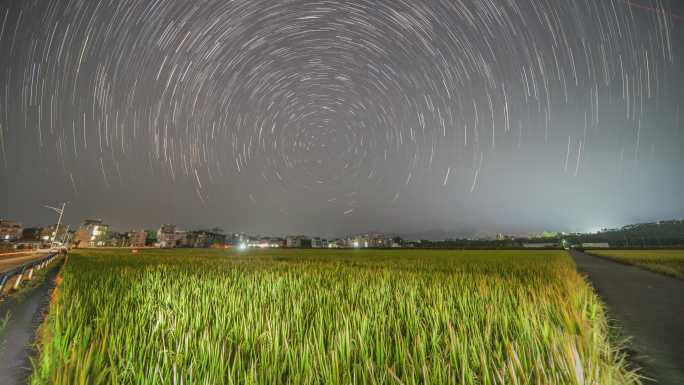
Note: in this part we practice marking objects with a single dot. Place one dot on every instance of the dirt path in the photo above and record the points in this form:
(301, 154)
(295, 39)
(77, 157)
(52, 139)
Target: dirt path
(649, 307)
(26, 313)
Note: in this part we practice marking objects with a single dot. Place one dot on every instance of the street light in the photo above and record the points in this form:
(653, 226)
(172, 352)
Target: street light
(59, 221)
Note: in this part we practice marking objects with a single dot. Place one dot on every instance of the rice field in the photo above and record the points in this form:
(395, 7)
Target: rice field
(670, 262)
(326, 317)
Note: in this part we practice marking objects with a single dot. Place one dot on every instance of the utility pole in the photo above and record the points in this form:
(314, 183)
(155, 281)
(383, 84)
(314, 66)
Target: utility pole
(66, 236)
(59, 221)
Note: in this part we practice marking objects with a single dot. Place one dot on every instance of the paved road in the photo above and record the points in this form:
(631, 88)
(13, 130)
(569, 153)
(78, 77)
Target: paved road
(9, 261)
(649, 307)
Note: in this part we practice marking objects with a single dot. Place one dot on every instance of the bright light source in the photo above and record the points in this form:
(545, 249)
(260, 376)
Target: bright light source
(242, 246)
(356, 243)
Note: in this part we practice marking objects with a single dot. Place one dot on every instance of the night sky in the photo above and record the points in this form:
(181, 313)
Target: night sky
(333, 117)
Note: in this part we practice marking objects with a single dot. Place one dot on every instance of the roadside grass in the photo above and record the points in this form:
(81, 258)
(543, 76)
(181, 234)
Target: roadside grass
(326, 317)
(669, 262)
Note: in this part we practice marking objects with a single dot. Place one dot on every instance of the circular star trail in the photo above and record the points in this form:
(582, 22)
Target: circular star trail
(334, 107)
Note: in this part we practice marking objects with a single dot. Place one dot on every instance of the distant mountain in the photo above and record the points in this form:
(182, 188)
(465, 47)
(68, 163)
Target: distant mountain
(661, 232)
(653, 234)
(439, 235)
(669, 228)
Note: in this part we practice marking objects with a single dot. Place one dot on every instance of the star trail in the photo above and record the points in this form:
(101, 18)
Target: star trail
(333, 116)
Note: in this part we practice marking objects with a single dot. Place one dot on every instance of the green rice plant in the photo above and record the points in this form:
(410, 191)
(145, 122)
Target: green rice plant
(326, 317)
(669, 262)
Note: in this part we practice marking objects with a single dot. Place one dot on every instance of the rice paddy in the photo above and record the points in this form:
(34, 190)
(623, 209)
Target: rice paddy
(670, 262)
(326, 317)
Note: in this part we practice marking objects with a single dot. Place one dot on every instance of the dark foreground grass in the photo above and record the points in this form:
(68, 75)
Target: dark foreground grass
(669, 262)
(326, 317)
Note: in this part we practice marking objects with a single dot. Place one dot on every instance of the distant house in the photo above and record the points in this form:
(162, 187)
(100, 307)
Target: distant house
(166, 236)
(292, 241)
(298, 241)
(379, 240)
(359, 241)
(136, 238)
(205, 238)
(91, 233)
(115, 239)
(267, 242)
(334, 244)
(237, 239)
(277, 242)
(10, 231)
(182, 239)
(316, 243)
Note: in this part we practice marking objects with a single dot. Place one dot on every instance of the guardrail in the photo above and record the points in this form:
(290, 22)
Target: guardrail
(10, 279)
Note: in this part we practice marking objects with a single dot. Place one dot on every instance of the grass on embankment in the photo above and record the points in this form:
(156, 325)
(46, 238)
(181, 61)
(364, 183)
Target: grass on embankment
(326, 317)
(670, 262)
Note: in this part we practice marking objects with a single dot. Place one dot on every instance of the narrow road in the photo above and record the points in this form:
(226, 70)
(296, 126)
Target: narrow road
(16, 340)
(649, 307)
(11, 260)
